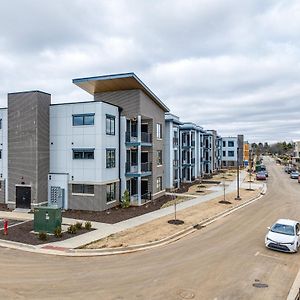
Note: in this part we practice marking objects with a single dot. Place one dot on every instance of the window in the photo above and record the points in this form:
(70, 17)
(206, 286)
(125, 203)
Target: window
(110, 192)
(110, 158)
(0, 123)
(224, 153)
(83, 189)
(159, 183)
(224, 144)
(110, 125)
(83, 119)
(159, 157)
(231, 153)
(230, 143)
(83, 153)
(159, 131)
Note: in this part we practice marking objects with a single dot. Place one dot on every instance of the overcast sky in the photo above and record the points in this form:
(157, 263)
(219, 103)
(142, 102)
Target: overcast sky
(228, 65)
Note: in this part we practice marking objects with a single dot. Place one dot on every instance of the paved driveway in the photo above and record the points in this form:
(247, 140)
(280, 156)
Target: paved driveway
(221, 261)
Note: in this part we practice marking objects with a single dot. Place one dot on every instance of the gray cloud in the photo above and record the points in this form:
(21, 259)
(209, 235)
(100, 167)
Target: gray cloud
(229, 65)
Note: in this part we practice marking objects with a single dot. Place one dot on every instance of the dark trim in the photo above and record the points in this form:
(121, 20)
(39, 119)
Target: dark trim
(119, 125)
(83, 115)
(82, 102)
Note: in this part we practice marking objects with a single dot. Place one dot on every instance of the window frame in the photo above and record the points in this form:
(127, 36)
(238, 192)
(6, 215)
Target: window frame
(110, 160)
(230, 144)
(111, 190)
(231, 152)
(83, 116)
(159, 129)
(159, 185)
(112, 120)
(84, 153)
(159, 157)
(83, 189)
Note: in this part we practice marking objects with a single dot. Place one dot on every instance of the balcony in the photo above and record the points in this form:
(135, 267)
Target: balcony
(175, 163)
(131, 169)
(132, 139)
(188, 162)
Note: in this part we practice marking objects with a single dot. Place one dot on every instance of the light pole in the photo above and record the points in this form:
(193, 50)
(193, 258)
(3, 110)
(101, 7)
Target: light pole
(238, 174)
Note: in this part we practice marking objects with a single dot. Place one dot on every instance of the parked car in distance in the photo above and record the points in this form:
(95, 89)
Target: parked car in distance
(294, 174)
(286, 168)
(266, 173)
(299, 179)
(261, 175)
(283, 236)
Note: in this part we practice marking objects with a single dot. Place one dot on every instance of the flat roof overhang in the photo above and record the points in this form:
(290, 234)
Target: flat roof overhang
(116, 82)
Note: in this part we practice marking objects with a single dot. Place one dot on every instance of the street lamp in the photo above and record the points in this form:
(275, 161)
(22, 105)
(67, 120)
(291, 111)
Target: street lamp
(238, 174)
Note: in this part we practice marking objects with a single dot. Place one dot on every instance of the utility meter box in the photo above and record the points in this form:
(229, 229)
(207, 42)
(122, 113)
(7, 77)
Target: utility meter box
(46, 219)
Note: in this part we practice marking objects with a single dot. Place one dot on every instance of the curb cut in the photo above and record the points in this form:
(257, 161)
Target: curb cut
(129, 249)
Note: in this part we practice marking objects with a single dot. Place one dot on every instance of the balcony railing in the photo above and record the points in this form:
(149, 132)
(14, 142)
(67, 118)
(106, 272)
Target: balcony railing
(146, 197)
(132, 137)
(146, 137)
(175, 162)
(146, 167)
(133, 167)
(175, 141)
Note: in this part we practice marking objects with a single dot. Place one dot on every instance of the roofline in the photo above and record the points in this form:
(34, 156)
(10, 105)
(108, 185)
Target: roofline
(82, 102)
(33, 91)
(124, 75)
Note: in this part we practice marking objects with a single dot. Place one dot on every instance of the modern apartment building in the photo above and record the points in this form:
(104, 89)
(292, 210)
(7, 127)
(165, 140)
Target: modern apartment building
(85, 155)
(232, 151)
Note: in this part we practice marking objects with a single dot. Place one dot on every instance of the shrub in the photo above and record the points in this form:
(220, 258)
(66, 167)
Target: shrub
(72, 229)
(88, 225)
(57, 232)
(125, 202)
(43, 236)
(78, 225)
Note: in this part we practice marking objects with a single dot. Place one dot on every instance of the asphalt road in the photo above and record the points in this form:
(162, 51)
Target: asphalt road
(221, 261)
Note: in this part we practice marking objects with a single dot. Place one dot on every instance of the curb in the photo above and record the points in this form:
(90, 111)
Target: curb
(294, 293)
(51, 250)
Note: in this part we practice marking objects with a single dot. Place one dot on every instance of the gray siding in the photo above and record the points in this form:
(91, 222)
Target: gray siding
(92, 203)
(28, 143)
(2, 191)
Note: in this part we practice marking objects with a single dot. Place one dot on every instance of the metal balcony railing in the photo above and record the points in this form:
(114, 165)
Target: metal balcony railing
(146, 197)
(175, 162)
(146, 167)
(146, 137)
(175, 141)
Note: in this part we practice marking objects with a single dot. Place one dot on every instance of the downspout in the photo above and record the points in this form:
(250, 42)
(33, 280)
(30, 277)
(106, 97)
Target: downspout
(120, 194)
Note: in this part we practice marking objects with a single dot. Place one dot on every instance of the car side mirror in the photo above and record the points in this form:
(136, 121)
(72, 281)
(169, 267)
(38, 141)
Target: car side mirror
(269, 227)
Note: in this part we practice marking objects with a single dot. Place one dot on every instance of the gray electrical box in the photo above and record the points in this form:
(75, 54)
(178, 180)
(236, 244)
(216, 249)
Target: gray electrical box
(57, 196)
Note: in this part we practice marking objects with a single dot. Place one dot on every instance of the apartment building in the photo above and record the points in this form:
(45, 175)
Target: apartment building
(172, 151)
(85, 155)
(232, 151)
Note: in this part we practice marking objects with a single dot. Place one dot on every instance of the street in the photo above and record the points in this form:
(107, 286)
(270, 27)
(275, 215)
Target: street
(221, 261)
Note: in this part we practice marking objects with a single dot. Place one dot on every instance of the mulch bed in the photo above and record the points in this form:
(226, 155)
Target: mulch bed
(21, 233)
(117, 214)
(185, 186)
(3, 207)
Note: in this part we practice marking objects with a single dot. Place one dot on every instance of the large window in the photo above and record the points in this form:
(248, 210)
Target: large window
(110, 125)
(159, 183)
(230, 143)
(159, 157)
(230, 153)
(159, 131)
(110, 192)
(83, 119)
(83, 153)
(110, 158)
(0, 123)
(83, 189)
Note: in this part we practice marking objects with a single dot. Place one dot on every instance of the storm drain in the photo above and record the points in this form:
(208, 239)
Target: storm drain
(260, 285)
(186, 294)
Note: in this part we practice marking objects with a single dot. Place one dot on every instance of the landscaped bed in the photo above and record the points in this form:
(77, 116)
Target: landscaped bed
(22, 233)
(118, 214)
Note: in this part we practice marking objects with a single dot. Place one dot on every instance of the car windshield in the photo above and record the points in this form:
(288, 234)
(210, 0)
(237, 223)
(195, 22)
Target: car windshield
(283, 229)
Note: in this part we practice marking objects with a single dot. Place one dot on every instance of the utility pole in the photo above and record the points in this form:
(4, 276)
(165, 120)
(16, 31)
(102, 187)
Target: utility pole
(238, 174)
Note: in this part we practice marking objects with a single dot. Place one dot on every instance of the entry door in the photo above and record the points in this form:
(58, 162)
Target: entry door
(23, 196)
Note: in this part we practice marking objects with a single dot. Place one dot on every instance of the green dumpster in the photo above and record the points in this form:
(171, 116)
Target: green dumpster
(46, 219)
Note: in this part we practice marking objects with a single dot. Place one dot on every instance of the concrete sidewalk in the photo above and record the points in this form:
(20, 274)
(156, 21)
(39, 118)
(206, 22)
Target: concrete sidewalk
(103, 229)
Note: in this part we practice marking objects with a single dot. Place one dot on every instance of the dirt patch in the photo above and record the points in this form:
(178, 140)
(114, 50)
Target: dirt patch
(118, 214)
(22, 233)
(160, 228)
